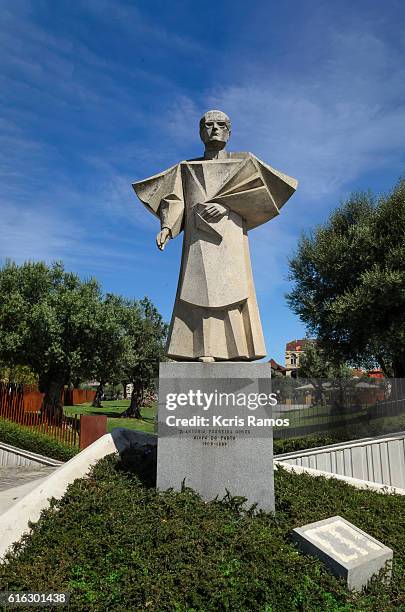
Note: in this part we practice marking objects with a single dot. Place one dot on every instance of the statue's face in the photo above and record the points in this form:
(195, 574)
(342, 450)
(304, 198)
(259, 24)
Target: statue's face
(215, 129)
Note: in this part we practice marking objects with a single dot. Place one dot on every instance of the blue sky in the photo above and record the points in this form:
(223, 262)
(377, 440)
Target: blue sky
(96, 94)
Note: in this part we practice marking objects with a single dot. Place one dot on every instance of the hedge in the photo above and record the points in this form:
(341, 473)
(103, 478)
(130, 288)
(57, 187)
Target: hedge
(28, 439)
(116, 545)
(289, 445)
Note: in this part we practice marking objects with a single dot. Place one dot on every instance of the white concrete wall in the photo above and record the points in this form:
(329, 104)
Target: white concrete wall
(354, 482)
(380, 460)
(10, 456)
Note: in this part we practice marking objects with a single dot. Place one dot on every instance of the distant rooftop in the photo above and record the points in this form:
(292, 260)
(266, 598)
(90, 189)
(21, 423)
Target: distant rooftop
(276, 366)
(297, 345)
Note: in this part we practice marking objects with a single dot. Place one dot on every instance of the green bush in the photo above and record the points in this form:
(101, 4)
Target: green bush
(28, 439)
(117, 545)
(289, 445)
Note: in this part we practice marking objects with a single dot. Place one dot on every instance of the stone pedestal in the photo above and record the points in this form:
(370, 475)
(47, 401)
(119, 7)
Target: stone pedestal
(216, 448)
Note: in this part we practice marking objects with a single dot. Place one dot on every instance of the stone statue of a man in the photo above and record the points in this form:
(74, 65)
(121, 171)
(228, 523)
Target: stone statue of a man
(216, 200)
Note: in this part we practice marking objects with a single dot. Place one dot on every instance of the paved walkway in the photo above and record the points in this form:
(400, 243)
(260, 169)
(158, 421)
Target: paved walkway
(17, 481)
(14, 476)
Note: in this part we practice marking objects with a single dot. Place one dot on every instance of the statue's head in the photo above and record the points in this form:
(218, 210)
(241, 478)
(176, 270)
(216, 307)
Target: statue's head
(215, 129)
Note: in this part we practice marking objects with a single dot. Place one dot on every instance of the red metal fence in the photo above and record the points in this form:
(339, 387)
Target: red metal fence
(32, 398)
(92, 427)
(78, 396)
(21, 404)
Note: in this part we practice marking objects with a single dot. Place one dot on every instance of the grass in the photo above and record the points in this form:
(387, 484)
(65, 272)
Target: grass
(116, 544)
(113, 410)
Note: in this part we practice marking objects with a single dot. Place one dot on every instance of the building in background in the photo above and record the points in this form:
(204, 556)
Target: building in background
(295, 349)
(293, 353)
(277, 370)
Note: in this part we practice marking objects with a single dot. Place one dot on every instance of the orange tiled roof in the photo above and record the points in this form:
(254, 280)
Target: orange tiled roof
(296, 345)
(277, 366)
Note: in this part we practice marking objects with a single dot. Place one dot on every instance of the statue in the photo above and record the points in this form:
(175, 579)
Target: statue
(215, 200)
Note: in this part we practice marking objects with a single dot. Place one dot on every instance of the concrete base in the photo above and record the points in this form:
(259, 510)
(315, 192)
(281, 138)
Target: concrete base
(212, 459)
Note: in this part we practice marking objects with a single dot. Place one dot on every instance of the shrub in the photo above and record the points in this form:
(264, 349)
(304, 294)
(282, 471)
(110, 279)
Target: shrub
(115, 544)
(28, 439)
(289, 445)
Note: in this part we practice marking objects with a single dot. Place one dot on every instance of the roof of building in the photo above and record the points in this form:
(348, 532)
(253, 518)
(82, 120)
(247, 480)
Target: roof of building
(375, 374)
(297, 345)
(277, 366)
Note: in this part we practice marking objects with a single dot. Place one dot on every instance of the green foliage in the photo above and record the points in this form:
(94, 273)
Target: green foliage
(373, 425)
(47, 320)
(316, 364)
(349, 282)
(129, 344)
(289, 445)
(316, 368)
(110, 341)
(115, 544)
(113, 391)
(27, 439)
(19, 374)
(145, 334)
(65, 331)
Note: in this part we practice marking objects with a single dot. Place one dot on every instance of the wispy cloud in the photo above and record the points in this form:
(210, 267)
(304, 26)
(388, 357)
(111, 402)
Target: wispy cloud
(327, 127)
(117, 199)
(32, 234)
(134, 23)
(49, 234)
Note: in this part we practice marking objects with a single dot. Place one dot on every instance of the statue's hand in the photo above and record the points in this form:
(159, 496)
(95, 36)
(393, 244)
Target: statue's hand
(214, 211)
(162, 237)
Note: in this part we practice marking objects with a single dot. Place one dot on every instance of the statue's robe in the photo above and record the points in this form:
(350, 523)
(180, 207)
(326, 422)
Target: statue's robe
(215, 312)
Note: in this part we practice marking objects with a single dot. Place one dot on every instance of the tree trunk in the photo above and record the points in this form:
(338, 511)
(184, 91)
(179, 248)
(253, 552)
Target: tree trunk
(98, 397)
(386, 368)
(124, 385)
(398, 366)
(319, 394)
(52, 404)
(134, 410)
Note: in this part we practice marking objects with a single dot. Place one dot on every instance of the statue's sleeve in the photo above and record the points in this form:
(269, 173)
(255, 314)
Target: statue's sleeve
(255, 191)
(162, 195)
(280, 185)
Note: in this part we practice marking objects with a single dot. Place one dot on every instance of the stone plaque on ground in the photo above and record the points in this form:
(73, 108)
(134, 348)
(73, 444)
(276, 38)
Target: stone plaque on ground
(223, 442)
(347, 551)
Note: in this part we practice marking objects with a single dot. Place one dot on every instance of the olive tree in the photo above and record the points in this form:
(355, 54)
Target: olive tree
(48, 321)
(349, 282)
